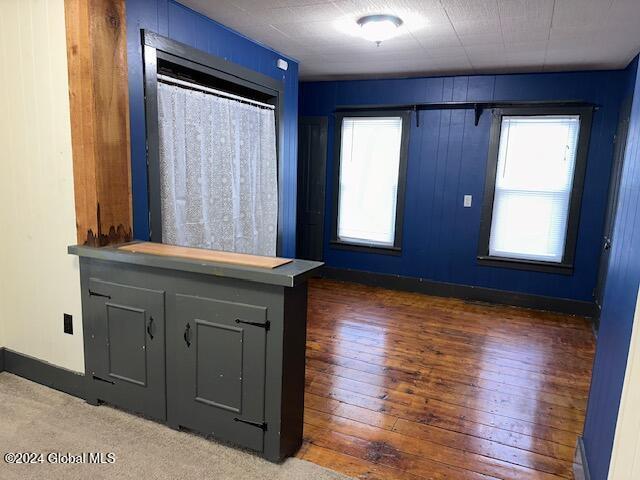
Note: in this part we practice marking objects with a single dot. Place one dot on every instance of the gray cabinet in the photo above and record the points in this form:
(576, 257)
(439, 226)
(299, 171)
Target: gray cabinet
(124, 338)
(199, 350)
(219, 380)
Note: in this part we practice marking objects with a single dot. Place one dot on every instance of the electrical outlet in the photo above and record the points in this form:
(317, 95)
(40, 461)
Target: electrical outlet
(467, 201)
(68, 324)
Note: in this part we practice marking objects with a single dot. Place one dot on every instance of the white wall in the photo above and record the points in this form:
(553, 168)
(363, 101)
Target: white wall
(39, 281)
(625, 458)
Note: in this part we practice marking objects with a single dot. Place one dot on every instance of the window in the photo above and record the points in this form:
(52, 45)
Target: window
(534, 184)
(372, 152)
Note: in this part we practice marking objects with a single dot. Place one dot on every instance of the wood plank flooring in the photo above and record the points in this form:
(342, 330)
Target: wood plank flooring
(407, 386)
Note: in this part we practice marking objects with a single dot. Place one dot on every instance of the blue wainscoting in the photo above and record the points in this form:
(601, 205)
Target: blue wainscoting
(618, 306)
(447, 159)
(178, 22)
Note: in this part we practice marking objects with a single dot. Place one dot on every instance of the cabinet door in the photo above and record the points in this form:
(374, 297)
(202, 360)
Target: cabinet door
(126, 340)
(219, 369)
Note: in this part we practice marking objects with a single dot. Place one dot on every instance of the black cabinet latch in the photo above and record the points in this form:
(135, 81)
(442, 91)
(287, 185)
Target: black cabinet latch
(262, 426)
(266, 325)
(96, 294)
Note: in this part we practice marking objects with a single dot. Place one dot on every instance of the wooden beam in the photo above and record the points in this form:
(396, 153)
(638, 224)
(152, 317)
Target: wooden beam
(99, 104)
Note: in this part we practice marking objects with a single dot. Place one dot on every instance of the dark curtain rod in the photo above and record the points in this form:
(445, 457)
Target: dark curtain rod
(478, 107)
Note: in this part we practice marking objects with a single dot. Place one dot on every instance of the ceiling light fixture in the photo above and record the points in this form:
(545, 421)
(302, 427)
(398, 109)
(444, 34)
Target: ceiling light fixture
(378, 28)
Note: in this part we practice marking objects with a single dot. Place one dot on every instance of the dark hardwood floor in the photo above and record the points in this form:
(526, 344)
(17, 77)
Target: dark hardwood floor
(407, 386)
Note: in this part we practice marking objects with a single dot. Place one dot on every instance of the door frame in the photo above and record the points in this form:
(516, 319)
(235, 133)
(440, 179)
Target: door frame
(620, 149)
(323, 123)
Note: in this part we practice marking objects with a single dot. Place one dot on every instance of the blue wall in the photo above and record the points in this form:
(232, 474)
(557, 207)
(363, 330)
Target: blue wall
(447, 159)
(174, 20)
(618, 306)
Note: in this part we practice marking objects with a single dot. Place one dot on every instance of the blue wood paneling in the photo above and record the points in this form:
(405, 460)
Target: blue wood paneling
(616, 321)
(178, 22)
(447, 160)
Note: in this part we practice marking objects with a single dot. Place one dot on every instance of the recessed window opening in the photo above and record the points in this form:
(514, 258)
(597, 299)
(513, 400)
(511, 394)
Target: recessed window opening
(372, 165)
(213, 151)
(536, 163)
(536, 181)
(218, 169)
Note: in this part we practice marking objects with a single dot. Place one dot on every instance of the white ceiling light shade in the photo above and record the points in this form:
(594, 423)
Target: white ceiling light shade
(403, 21)
(378, 28)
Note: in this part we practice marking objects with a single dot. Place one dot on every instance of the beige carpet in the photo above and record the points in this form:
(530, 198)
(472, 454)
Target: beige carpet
(38, 419)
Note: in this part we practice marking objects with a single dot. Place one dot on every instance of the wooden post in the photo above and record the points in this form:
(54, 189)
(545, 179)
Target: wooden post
(99, 104)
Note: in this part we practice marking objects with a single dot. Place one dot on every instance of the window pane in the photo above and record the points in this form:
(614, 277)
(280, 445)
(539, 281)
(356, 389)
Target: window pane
(369, 167)
(536, 162)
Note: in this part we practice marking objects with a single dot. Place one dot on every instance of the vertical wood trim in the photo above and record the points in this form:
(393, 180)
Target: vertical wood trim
(99, 104)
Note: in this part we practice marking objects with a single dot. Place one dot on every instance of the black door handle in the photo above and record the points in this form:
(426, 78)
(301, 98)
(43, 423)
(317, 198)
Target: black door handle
(149, 328)
(187, 335)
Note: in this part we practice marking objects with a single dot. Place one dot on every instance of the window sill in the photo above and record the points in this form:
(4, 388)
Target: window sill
(530, 265)
(363, 247)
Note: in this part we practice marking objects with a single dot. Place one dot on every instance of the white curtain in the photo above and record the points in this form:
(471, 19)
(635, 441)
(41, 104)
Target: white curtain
(218, 172)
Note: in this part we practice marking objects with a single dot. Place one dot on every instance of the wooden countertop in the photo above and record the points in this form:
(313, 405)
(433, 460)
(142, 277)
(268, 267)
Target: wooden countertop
(270, 270)
(206, 255)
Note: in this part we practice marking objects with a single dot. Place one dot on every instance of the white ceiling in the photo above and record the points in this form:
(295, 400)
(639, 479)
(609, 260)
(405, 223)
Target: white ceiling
(439, 36)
